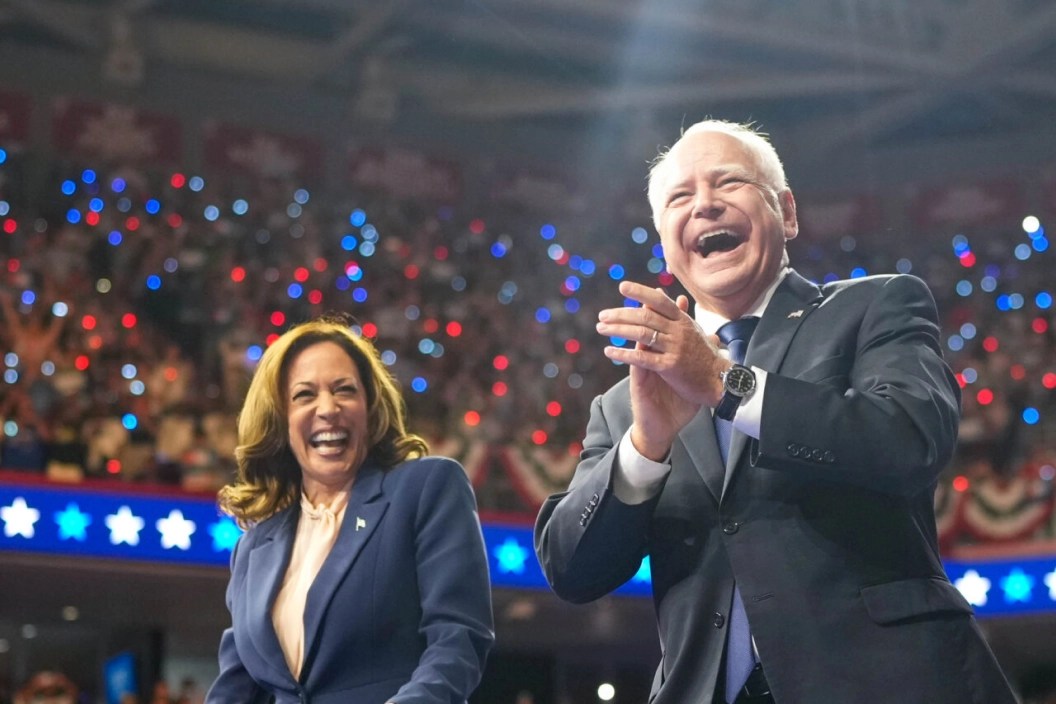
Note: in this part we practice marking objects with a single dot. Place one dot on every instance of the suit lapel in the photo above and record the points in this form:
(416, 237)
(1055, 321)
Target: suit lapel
(792, 302)
(697, 441)
(267, 568)
(365, 509)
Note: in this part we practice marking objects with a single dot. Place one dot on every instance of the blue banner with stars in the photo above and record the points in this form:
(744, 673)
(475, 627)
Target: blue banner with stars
(115, 525)
(43, 518)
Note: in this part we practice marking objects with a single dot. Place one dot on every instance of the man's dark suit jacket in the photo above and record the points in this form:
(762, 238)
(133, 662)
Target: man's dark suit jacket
(826, 521)
(400, 610)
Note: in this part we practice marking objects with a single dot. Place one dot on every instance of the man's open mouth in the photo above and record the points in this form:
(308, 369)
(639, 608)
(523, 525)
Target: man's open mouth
(722, 241)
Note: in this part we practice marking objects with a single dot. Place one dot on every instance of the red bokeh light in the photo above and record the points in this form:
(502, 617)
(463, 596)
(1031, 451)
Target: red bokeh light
(440, 253)
(132, 224)
(370, 330)
(1039, 325)
(91, 219)
(472, 418)
(553, 409)
(572, 346)
(967, 260)
(300, 274)
(454, 328)
(238, 274)
(960, 483)
(315, 296)
(990, 344)
(499, 388)
(1049, 380)
(175, 220)
(666, 278)
(270, 339)
(178, 180)
(128, 320)
(171, 373)
(501, 362)
(88, 322)
(410, 271)
(476, 226)
(10, 225)
(431, 325)
(539, 437)
(1018, 372)
(113, 466)
(82, 362)
(985, 397)
(278, 318)
(320, 264)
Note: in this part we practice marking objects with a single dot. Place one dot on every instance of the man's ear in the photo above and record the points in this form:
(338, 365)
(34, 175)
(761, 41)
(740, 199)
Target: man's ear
(788, 214)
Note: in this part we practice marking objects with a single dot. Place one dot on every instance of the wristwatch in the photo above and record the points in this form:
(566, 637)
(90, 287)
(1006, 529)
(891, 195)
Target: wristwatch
(738, 383)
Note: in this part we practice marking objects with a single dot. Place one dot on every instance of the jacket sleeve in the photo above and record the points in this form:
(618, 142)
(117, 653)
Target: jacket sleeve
(455, 591)
(882, 415)
(589, 542)
(233, 685)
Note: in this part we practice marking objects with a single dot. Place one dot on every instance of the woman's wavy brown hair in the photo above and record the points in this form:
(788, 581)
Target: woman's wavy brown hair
(268, 477)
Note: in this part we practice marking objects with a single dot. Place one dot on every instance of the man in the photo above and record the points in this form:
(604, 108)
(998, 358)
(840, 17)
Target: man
(804, 569)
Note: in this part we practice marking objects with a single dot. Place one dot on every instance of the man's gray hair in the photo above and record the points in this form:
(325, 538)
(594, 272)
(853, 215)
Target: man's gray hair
(770, 163)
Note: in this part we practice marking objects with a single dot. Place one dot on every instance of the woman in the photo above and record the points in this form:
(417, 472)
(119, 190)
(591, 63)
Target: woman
(362, 576)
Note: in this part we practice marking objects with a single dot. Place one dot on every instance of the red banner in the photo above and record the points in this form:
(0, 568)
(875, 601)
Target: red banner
(1048, 197)
(14, 119)
(967, 205)
(405, 173)
(827, 219)
(262, 153)
(115, 133)
(534, 190)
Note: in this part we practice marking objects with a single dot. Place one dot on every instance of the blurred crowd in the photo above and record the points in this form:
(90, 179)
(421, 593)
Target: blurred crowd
(135, 304)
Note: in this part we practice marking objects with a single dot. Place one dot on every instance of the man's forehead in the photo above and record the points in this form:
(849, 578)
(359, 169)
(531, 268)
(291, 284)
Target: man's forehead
(708, 160)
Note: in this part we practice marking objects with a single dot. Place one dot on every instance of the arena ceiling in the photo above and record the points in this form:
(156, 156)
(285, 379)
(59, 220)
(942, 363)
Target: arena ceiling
(834, 73)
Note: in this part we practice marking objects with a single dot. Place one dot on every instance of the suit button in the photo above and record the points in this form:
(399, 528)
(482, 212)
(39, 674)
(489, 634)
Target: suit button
(718, 620)
(829, 457)
(582, 521)
(731, 527)
(792, 449)
(818, 455)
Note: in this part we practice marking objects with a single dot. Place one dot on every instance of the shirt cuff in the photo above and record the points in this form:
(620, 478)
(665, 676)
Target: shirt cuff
(636, 478)
(749, 415)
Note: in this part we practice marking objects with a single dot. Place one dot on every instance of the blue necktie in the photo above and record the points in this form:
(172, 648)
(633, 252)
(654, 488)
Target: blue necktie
(740, 657)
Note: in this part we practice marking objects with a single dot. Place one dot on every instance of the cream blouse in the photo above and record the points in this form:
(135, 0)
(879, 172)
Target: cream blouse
(316, 533)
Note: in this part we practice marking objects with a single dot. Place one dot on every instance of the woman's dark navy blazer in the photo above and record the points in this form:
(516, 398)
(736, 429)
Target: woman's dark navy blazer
(399, 612)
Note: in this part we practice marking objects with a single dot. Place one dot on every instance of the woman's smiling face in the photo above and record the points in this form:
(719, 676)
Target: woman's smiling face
(326, 412)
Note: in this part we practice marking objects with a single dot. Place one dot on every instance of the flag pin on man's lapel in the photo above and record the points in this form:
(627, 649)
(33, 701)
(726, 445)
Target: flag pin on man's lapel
(796, 313)
(360, 523)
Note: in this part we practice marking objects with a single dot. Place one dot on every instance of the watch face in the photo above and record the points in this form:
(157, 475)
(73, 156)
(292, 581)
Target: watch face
(740, 381)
